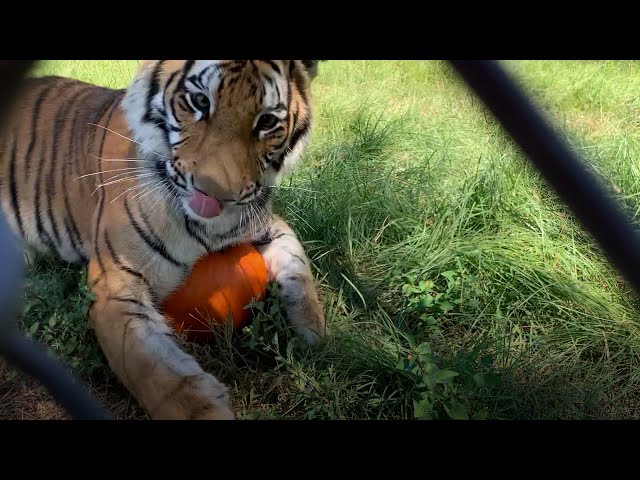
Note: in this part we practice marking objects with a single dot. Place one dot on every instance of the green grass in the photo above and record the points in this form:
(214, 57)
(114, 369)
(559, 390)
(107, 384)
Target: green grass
(456, 284)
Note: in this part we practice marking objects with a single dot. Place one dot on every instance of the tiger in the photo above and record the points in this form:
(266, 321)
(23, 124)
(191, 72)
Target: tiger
(137, 184)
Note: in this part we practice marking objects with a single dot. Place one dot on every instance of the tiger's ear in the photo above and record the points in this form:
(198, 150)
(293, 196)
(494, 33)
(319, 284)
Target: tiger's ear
(312, 67)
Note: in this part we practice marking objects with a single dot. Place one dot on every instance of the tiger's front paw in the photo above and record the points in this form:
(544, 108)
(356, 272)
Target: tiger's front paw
(312, 336)
(310, 323)
(199, 397)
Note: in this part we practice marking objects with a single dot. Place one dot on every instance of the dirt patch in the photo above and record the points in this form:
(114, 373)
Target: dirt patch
(23, 398)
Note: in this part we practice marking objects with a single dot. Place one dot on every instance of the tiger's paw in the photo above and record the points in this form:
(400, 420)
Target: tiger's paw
(200, 397)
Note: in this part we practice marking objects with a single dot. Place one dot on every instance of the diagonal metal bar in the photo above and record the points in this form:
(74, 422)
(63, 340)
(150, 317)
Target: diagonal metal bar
(19, 351)
(597, 211)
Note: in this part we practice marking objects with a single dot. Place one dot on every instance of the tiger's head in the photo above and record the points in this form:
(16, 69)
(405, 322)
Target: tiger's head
(221, 132)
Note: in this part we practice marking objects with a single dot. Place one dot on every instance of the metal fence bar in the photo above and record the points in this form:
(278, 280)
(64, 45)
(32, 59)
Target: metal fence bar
(562, 168)
(597, 211)
(19, 351)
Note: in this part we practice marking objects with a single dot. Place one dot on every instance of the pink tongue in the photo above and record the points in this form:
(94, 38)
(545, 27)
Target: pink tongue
(204, 205)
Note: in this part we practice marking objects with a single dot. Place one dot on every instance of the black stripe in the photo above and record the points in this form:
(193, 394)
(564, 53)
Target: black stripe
(59, 121)
(299, 132)
(281, 144)
(297, 256)
(282, 235)
(195, 82)
(160, 169)
(276, 130)
(233, 231)
(141, 316)
(299, 82)
(122, 266)
(171, 79)
(42, 233)
(279, 93)
(112, 102)
(151, 238)
(14, 185)
(174, 180)
(34, 129)
(154, 88)
(76, 239)
(268, 79)
(179, 142)
(273, 65)
(183, 103)
(291, 125)
(127, 300)
(263, 92)
(294, 125)
(195, 234)
(172, 106)
(180, 175)
(162, 120)
(73, 240)
(204, 72)
(185, 71)
(263, 240)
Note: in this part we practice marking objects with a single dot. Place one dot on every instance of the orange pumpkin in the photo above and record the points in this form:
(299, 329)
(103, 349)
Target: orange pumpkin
(217, 290)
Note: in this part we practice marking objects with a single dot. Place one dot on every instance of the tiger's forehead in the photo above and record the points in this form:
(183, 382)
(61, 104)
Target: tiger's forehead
(235, 80)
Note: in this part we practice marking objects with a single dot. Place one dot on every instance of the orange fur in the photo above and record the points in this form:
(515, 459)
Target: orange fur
(66, 190)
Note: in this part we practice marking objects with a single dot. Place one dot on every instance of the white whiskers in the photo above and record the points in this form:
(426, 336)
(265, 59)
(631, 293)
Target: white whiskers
(140, 185)
(127, 138)
(110, 171)
(136, 177)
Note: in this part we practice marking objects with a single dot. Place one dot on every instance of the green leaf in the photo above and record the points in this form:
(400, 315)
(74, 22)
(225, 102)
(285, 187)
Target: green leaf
(426, 301)
(473, 303)
(445, 376)
(33, 328)
(431, 367)
(479, 379)
(274, 310)
(422, 409)
(428, 319)
(483, 414)
(471, 279)
(446, 306)
(70, 346)
(456, 411)
(289, 348)
(26, 306)
(52, 320)
(424, 349)
(449, 275)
